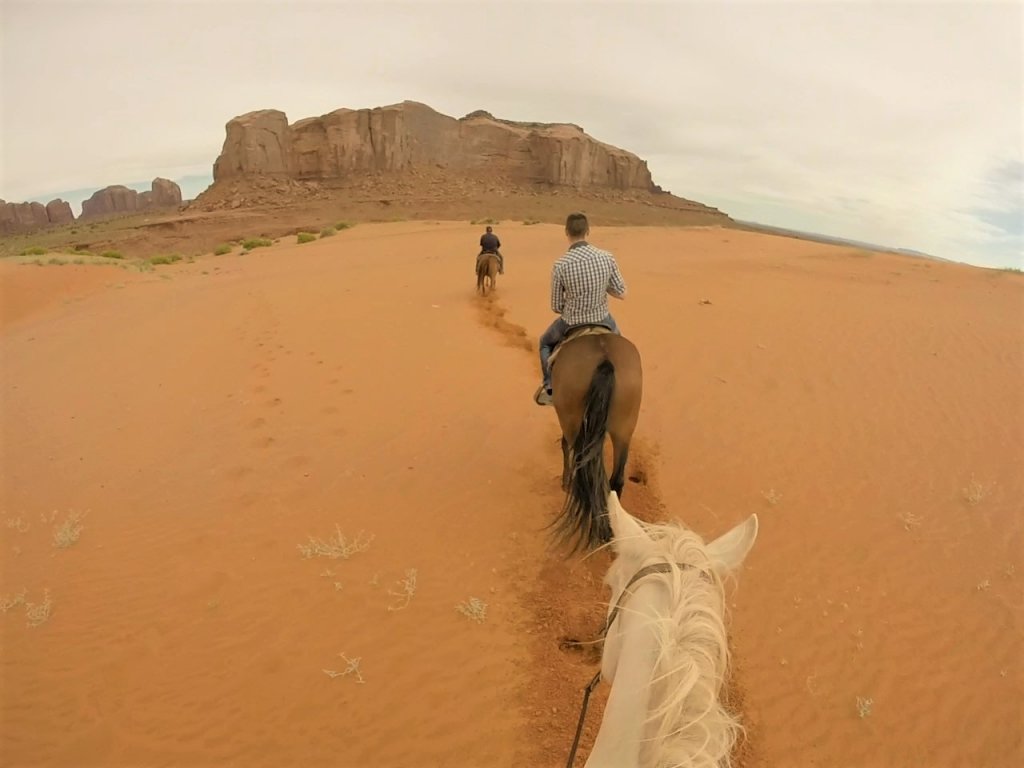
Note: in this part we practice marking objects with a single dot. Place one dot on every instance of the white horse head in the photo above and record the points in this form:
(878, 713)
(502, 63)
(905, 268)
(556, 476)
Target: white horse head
(666, 652)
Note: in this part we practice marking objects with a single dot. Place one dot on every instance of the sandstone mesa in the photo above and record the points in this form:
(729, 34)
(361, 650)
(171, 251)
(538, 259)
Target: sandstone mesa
(411, 135)
(410, 154)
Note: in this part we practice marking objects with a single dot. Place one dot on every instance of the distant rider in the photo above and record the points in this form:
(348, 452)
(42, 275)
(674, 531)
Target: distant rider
(489, 243)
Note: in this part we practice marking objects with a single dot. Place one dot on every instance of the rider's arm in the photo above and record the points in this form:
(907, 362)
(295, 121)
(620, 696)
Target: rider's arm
(616, 285)
(557, 298)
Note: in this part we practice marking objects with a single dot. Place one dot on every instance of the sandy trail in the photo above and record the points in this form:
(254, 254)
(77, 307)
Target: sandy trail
(210, 422)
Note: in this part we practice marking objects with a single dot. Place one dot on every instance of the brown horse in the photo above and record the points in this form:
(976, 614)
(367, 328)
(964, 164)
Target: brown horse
(486, 269)
(597, 383)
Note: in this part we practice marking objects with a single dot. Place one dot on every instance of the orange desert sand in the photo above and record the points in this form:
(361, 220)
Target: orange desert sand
(206, 419)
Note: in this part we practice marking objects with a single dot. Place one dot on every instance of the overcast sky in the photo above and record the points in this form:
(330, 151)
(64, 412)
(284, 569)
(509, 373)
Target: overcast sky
(898, 123)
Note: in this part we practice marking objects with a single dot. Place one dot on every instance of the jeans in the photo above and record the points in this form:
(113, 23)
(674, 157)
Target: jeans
(553, 335)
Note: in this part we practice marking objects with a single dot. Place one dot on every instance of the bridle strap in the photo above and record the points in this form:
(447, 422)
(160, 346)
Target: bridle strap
(647, 570)
(583, 714)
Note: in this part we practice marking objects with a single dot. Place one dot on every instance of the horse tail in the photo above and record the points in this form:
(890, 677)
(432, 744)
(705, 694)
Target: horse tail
(585, 510)
(481, 270)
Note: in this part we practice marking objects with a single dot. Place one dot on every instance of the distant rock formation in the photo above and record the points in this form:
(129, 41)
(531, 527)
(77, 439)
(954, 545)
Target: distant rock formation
(411, 135)
(164, 194)
(27, 217)
(113, 199)
(16, 216)
(59, 212)
(121, 199)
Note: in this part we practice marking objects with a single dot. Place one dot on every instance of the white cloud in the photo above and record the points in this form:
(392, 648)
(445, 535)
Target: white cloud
(888, 122)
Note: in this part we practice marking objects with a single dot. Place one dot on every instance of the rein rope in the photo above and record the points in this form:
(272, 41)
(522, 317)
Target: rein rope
(647, 570)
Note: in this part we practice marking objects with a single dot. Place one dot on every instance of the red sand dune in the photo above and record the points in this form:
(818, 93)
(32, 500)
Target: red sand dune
(207, 424)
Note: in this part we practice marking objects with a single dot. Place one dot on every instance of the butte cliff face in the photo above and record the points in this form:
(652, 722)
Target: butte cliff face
(411, 135)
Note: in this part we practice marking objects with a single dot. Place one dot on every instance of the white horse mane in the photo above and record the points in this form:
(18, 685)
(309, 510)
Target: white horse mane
(669, 647)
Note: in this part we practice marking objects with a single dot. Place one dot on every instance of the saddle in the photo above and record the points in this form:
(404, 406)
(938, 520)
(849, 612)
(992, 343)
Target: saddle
(577, 331)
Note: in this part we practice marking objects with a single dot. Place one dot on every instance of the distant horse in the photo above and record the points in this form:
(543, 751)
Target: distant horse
(596, 382)
(665, 651)
(486, 269)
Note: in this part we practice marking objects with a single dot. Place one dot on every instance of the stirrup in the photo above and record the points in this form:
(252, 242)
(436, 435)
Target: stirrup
(541, 391)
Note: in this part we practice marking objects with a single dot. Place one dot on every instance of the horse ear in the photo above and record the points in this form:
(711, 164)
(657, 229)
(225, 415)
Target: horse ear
(624, 526)
(730, 549)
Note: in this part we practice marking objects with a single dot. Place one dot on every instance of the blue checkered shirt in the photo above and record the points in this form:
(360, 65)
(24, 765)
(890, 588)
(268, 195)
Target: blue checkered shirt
(581, 281)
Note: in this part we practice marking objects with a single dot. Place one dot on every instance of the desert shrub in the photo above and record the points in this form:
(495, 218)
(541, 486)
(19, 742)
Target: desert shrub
(256, 242)
(305, 237)
(221, 249)
(165, 259)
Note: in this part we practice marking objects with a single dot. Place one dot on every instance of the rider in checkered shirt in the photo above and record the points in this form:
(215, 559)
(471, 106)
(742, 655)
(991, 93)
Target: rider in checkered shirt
(581, 281)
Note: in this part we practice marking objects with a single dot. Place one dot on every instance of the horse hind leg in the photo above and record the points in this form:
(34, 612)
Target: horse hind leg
(620, 455)
(622, 423)
(566, 465)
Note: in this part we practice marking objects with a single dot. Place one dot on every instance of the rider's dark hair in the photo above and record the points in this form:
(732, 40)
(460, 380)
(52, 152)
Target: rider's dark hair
(488, 229)
(576, 225)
